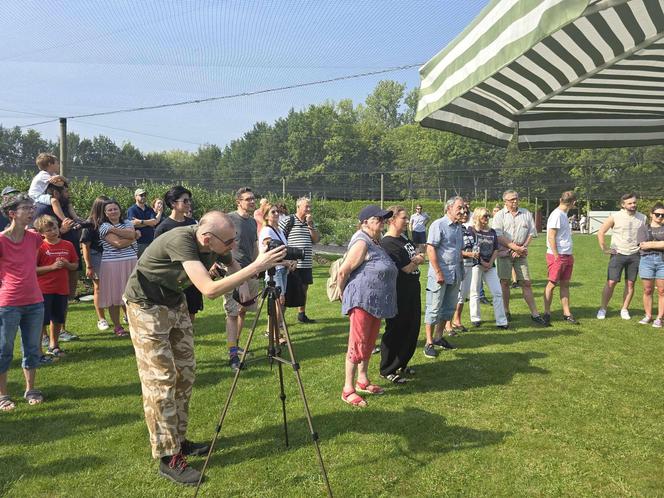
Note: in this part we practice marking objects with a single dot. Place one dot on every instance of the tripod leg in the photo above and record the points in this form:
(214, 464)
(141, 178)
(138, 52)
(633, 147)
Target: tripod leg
(282, 396)
(307, 412)
(224, 410)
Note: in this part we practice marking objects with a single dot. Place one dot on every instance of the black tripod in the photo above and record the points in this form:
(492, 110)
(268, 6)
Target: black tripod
(275, 319)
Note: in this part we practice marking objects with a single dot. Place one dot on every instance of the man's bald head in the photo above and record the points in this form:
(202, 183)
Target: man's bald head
(215, 221)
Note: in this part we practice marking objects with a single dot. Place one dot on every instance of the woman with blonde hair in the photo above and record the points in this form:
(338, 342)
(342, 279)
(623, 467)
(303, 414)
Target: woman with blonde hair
(485, 248)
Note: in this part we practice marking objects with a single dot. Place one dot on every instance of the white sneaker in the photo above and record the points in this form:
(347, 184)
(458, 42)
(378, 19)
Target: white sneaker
(601, 314)
(657, 323)
(103, 325)
(645, 320)
(624, 314)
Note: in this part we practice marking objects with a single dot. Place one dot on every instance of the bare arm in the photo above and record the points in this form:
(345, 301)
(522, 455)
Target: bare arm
(41, 270)
(433, 261)
(118, 242)
(212, 289)
(606, 226)
(653, 244)
(551, 239)
(354, 258)
(124, 233)
(414, 263)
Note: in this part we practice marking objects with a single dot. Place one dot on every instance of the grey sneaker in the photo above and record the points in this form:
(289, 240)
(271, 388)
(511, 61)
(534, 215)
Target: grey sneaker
(442, 343)
(430, 351)
(540, 321)
(67, 336)
(177, 470)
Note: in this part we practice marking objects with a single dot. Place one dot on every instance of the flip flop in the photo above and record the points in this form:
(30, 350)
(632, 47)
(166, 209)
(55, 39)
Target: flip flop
(353, 399)
(369, 388)
(34, 397)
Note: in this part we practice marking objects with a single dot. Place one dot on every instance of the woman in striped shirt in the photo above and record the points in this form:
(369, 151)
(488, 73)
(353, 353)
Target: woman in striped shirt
(118, 260)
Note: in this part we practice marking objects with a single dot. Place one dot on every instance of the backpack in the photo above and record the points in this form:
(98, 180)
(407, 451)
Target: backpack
(333, 293)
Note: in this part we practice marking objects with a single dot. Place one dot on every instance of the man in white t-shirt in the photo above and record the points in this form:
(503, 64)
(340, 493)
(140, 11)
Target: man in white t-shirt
(559, 259)
(418, 227)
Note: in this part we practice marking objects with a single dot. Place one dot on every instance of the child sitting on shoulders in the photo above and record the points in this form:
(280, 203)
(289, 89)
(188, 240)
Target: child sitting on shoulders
(55, 259)
(48, 166)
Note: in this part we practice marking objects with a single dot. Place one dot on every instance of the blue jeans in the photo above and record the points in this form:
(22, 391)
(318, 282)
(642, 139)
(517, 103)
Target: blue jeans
(29, 318)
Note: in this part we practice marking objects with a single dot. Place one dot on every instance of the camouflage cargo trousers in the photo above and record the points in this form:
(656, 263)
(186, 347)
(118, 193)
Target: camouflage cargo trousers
(164, 343)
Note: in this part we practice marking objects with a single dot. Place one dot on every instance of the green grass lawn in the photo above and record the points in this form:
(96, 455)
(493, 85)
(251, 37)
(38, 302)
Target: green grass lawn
(574, 411)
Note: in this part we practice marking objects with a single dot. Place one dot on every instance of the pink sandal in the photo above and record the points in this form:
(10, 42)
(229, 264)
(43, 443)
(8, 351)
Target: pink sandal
(369, 388)
(120, 332)
(353, 399)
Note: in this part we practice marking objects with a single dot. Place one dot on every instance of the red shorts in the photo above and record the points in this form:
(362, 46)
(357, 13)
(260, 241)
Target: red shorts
(560, 269)
(364, 329)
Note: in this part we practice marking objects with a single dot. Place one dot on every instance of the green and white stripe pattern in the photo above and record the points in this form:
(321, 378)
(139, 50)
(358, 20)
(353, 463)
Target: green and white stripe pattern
(559, 73)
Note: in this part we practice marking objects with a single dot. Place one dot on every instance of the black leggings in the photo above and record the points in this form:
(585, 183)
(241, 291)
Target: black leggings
(401, 333)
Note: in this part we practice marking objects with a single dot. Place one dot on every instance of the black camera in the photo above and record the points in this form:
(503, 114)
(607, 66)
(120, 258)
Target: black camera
(291, 252)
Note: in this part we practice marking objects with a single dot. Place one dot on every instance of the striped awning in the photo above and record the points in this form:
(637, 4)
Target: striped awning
(558, 73)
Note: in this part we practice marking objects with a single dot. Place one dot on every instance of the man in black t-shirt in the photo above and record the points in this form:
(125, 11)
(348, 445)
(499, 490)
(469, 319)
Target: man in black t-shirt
(162, 332)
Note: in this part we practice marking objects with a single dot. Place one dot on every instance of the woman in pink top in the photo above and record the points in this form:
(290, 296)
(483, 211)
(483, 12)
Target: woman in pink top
(21, 301)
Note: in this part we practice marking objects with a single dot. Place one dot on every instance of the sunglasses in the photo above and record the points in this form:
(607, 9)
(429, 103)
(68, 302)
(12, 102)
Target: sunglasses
(225, 242)
(486, 217)
(659, 215)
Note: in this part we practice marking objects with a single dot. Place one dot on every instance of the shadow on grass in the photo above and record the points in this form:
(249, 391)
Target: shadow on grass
(471, 370)
(16, 468)
(440, 437)
(44, 426)
(470, 340)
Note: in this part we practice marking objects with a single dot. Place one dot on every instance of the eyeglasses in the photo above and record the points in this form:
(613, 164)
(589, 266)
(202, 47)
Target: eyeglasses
(184, 201)
(26, 208)
(142, 195)
(659, 215)
(274, 211)
(486, 217)
(513, 199)
(225, 242)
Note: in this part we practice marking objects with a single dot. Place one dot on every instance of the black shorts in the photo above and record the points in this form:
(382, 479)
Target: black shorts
(194, 299)
(618, 262)
(306, 275)
(55, 308)
(419, 237)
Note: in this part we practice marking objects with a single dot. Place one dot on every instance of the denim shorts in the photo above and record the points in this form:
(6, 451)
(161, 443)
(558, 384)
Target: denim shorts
(29, 318)
(651, 266)
(280, 278)
(441, 302)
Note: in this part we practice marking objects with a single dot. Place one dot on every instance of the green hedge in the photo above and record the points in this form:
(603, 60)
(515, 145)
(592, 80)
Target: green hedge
(336, 220)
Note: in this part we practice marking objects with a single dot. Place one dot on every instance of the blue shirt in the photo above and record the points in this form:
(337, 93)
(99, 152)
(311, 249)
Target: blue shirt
(447, 238)
(135, 212)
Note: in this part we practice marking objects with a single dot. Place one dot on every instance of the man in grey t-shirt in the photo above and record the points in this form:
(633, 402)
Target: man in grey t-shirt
(244, 252)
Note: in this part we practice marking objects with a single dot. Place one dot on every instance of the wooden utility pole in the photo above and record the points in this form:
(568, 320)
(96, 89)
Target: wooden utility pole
(382, 191)
(63, 146)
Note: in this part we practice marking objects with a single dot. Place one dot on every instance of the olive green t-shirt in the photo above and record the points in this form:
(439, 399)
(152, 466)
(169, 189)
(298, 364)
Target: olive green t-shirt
(159, 277)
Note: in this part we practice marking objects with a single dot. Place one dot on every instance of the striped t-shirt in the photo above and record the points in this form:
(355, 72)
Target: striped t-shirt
(300, 237)
(112, 253)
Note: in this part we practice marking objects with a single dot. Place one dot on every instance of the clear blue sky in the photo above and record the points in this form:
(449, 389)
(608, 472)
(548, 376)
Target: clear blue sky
(65, 58)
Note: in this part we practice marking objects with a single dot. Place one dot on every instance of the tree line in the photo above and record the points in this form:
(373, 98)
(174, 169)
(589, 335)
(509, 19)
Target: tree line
(345, 150)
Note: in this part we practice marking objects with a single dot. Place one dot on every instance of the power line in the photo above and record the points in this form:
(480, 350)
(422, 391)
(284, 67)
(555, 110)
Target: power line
(250, 93)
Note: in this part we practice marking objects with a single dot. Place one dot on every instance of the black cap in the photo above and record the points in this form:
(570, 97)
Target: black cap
(372, 210)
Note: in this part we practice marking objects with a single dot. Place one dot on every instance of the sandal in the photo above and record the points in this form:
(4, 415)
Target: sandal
(395, 378)
(34, 397)
(459, 328)
(46, 360)
(55, 352)
(120, 332)
(353, 399)
(6, 403)
(369, 388)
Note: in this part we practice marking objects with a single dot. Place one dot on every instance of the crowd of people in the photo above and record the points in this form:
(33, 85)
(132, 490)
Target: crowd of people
(153, 272)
